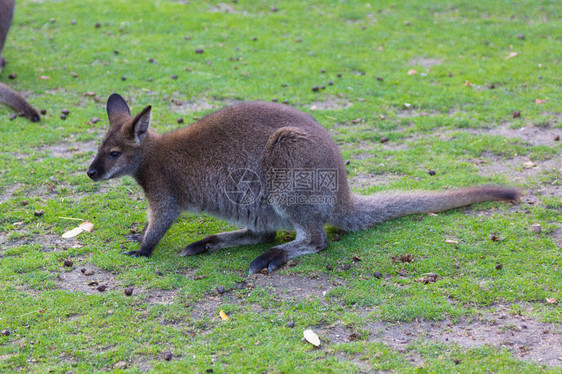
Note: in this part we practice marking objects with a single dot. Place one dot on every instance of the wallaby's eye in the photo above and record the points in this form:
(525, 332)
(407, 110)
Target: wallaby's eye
(114, 154)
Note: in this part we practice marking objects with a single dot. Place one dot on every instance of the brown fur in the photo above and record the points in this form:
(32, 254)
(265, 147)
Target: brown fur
(189, 169)
(7, 95)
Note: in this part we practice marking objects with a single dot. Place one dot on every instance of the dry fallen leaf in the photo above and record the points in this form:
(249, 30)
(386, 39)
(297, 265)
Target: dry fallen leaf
(539, 101)
(551, 300)
(529, 165)
(511, 55)
(450, 241)
(72, 233)
(467, 84)
(223, 315)
(433, 214)
(311, 337)
(86, 226)
(83, 227)
(412, 72)
(44, 77)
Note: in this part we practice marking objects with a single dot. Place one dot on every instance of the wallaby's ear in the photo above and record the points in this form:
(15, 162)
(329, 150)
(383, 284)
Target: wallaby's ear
(139, 124)
(117, 110)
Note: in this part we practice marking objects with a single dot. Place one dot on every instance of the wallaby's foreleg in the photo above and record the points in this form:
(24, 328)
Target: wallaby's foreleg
(226, 240)
(160, 219)
(311, 238)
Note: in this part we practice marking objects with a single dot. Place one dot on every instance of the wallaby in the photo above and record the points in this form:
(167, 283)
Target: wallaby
(263, 166)
(7, 95)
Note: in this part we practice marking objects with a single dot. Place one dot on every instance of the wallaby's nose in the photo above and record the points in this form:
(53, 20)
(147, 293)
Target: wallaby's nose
(92, 173)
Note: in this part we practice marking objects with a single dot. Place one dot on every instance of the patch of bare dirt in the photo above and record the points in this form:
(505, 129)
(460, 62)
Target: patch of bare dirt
(294, 287)
(48, 242)
(190, 107)
(330, 103)
(535, 135)
(86, 281)
(527, 338)
(69, 150)
(425, 62)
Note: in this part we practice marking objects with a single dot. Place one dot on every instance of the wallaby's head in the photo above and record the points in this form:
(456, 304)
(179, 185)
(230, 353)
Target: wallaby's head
(121, 151)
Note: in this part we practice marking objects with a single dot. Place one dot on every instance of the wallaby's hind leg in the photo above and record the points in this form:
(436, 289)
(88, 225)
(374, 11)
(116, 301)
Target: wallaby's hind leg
(311, 238)
(226, 240)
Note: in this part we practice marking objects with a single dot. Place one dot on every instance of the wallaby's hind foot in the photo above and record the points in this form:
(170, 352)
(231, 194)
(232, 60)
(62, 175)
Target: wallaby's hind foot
(310, 239)
(227, 240)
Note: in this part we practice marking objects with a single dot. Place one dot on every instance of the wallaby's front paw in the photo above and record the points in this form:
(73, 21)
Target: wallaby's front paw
(206, 244)
(136, 254)
(271, 260)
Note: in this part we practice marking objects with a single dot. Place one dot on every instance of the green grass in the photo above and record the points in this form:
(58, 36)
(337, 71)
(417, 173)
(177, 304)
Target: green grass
(251, 53)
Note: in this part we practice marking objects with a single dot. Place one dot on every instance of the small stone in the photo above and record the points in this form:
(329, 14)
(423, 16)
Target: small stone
(536, 228)
(298, 40)
(499, 266)
(115, 52)
(128, 291)
(329, 267)
(220, 290)
(97, 25)
(315, 88)
(174, 76)
(43, 111)
(73, 22)
(159, 273)
(380, 79)
(151, 60)
(13, 116)
(355, 336)
(516, 114)
(322, 87)
(339, 75)
(187, 37)
(167, 355)
(63, 116)
(65, 111)
(274, 100)
(377, 274)
(346, 267)
(7, 332)
(431, 172)
(323, 71)
(521, 36)
(492, 86)
(180, 120)
(254, 38)
(449, 74)
(273, 9)
(95, 120)
(68, 263)
(384, 139)
(557, 138)
(101, 287)
(456, 361)
(13, 76)
(290, 324)
(285, 102)
(330, 83)
(200, 50)
(123, 78)
(38, 213)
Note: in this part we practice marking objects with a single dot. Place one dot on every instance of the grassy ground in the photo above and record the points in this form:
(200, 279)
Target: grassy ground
(439, 80)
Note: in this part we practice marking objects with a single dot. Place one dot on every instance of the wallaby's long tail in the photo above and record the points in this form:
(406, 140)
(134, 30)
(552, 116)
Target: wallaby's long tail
(13, 99)
(369, 210)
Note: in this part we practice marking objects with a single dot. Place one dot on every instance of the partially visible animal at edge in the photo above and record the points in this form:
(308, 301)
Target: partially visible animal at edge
(230, 164)
(7, 95)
